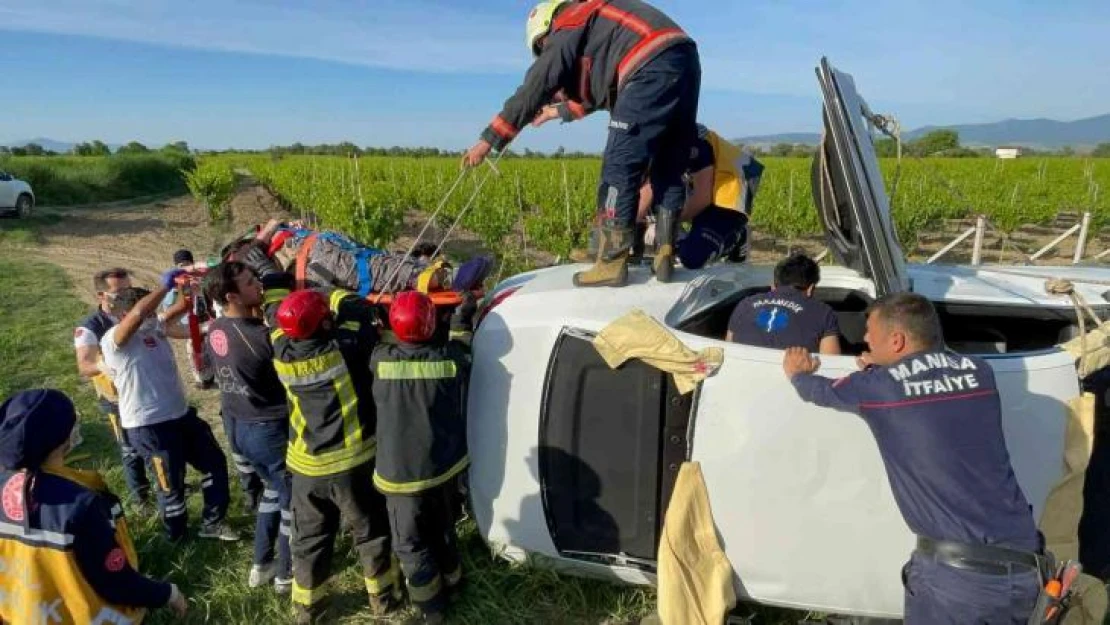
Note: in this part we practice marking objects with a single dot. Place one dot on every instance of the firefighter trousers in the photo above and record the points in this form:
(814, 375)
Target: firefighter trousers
(319, 505)
(423, 527)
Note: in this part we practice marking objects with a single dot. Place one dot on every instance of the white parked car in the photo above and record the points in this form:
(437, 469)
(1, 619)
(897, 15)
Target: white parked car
(573, 463)
(16, 196)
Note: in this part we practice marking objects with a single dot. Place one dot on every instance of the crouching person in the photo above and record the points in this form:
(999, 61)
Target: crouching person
(322, 348)
(420, 389)
(67, 554)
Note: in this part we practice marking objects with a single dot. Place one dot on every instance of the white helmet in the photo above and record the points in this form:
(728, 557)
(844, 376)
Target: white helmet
(539, 23)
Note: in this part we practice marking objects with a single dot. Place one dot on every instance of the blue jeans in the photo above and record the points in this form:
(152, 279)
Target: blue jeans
(248, 479)
(652, 126)
(263, 444)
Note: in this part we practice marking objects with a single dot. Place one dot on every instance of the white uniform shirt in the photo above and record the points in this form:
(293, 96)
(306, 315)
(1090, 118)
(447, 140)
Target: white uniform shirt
(145, 374)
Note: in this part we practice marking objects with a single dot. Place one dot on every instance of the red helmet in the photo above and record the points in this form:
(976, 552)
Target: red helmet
(300, 314)
(412, 317)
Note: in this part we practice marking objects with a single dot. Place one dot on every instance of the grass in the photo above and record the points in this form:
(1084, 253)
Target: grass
(69, 180)
(37, 352)
(24, 231)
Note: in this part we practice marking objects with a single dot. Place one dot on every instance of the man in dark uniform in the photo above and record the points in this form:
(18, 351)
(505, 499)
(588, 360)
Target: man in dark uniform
(322, 347)
(255, 412)
(420, 390)
(86, 341)
(937, 419)
(627, 57)
(787, 315)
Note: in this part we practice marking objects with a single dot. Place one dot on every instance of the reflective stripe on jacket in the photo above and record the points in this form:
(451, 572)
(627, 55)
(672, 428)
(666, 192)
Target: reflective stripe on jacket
(420, 392)
(327, 380)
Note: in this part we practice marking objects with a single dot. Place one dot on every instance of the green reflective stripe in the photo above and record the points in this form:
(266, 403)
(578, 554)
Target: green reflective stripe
(273, 296)
(308, 596)
(329, 462)
(425, 593)
(336, 300)
(323, 368)
(348, 405)
(297, 421)
(416, 370)
(354, 326)
(462, 336)
(276, 334)
(409, 488)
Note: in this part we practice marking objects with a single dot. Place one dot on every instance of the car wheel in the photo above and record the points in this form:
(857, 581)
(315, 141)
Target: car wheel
(24, 205)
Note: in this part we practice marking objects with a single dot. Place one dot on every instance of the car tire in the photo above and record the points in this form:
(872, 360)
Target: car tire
(24, 205)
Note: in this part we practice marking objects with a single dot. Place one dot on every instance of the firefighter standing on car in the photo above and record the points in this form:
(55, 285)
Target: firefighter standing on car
(937, 419)
(627, 57)
(420, 387)
(322, 345)
(65, 553)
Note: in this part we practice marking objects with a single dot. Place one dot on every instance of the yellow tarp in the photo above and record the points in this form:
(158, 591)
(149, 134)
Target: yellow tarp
(695, 577)
(1060, 519)
(1088, 606)
(1098, 349)
(636, 335)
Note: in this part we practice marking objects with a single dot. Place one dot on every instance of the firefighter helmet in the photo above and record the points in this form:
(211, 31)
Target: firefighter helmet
(412, 317)
(539, 23)
(300, 314)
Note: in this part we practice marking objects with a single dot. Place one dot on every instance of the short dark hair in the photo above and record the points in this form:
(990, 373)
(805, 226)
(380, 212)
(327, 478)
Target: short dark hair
(100, 278)
(913, 314)
(797, 270)
(220, 281)
(127, 298)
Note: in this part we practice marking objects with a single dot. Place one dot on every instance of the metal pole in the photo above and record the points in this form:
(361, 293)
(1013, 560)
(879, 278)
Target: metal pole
(947, 248)
(977, 249)
(1103, 253)
(1055, 242)
(821, 256)
(1081, 244)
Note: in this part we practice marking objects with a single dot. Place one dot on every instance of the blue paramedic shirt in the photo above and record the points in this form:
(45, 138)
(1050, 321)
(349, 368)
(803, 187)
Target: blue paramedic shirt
(937, 419)
(781, 318)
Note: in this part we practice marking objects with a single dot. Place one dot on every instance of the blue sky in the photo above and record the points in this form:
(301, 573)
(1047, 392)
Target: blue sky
(251, 73)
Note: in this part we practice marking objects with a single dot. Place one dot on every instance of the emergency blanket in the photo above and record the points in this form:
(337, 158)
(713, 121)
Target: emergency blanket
(695, 577)
(636, 335)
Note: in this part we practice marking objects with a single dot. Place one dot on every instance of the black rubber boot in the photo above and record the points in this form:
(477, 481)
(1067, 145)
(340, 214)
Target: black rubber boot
(663, 265)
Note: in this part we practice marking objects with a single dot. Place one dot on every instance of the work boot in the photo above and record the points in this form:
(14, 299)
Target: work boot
(385, 603)
(663, 264)
(638, 243)
(585, 255)
(580, 255)
(611, 266)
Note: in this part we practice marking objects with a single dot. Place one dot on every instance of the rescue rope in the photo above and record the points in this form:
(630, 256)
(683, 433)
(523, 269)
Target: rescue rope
(442, 203)
(1060, 286)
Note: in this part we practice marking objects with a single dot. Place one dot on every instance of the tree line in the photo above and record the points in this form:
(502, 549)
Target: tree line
(936, 143)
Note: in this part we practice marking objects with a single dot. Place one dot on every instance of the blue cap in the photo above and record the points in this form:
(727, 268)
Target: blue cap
(32, 425)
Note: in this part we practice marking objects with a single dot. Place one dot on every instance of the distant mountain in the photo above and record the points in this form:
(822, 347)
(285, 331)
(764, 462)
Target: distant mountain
(1033, 133)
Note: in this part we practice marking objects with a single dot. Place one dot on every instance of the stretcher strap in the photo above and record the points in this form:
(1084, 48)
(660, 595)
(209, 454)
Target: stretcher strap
(302, 260)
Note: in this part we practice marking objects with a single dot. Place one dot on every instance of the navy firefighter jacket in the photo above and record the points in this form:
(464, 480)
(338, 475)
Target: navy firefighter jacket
(937, 419)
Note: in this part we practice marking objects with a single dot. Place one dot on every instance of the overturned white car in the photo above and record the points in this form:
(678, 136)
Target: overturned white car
(576, 462)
